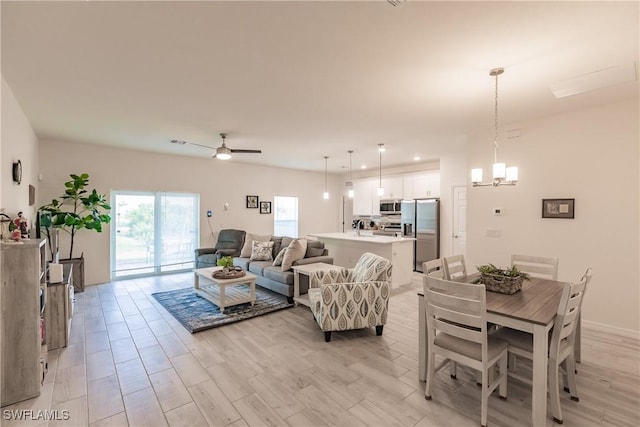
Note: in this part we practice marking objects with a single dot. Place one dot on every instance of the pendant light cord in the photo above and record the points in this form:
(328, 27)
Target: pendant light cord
(495, 138)
(380, 186)
(325, 173)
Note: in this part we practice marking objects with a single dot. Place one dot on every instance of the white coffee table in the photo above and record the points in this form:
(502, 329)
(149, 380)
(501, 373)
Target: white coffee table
(308, 270)
(222, 292)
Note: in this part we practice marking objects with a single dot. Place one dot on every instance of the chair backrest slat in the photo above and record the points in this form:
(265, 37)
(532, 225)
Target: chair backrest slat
(451, 301)
(458, 331)
(454, 267)
(433, 268)
(542, 267)
(453, 316)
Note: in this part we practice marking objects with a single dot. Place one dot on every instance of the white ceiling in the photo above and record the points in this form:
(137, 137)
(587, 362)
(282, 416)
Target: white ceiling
(303, 80)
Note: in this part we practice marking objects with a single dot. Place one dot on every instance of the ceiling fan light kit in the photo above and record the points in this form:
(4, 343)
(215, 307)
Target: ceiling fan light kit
(223, 152)
(502, 175)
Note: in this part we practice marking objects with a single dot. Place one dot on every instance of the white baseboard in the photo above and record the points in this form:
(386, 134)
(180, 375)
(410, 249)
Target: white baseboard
(614, 330)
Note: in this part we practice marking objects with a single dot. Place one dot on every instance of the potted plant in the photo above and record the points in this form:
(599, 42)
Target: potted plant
(506, 281)
(78, 209)
(226, 262)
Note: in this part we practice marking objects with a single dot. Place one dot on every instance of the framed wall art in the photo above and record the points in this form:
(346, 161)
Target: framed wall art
(558, 208)
(265, 207)
(252, 202)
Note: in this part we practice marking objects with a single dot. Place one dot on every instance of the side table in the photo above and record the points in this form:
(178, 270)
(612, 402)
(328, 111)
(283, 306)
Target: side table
(307, 270)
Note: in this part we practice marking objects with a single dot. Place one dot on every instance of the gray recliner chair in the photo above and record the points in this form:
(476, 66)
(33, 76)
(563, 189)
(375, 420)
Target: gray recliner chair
(229, 244)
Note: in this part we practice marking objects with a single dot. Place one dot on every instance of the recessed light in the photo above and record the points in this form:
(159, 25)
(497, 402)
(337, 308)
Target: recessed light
(416, 158)
(363, 166)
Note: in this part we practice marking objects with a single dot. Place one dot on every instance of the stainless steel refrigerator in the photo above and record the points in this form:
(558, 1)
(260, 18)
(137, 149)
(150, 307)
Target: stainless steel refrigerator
(420, 219)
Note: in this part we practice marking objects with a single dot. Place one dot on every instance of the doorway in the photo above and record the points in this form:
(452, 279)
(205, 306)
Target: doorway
(459, 235)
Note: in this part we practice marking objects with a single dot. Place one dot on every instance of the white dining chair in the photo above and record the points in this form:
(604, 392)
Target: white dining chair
(536, 266)
(561, 345)
(433, 268)
(454, 267)
(457, 330)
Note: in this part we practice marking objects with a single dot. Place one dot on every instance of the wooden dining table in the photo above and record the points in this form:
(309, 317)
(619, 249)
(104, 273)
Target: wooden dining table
(532, 309)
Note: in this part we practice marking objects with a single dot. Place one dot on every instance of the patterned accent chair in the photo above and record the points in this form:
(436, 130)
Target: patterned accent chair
(353, 298)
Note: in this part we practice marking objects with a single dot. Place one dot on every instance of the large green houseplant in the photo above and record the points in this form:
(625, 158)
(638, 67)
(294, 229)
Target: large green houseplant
(78, 209)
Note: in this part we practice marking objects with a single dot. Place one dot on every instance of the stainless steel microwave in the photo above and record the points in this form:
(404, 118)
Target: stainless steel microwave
(390, 207)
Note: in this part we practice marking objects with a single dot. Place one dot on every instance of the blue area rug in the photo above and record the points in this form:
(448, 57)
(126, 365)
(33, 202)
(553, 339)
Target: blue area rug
(197, 314)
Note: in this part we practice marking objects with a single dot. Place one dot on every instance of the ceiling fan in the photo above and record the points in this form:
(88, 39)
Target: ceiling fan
(223, 152)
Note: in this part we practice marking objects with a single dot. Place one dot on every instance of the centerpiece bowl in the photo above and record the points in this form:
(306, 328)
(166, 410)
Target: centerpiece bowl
(505, 281)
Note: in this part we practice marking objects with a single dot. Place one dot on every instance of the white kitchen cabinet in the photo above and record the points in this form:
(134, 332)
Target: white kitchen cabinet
(422, 185)
(393, 188)
(364, 194)
(434, 184)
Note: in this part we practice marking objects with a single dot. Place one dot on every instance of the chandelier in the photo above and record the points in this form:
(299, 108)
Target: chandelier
(502, 175)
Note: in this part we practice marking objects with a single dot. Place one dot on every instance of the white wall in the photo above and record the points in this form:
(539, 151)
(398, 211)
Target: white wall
(19, 142)
(592, 156)
(216, 181)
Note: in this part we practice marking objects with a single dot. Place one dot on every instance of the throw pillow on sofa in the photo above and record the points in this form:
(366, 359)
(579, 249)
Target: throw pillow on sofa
(261, 251)
(294, 252)
(278, 260)
(245, 252)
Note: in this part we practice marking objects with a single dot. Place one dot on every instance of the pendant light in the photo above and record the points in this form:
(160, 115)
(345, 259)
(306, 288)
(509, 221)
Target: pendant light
(380, 189)
(502, 175)
(325, 195)
(349, 184)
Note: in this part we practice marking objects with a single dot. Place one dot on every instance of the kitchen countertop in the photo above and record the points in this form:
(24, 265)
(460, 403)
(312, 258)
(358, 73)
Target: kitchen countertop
(365, 237)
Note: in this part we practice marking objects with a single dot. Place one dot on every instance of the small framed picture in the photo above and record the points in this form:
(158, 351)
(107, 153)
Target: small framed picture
(558, 208)
(252, 202)
(265, 207)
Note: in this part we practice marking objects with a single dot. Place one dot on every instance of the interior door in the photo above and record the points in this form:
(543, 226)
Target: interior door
(459, 245)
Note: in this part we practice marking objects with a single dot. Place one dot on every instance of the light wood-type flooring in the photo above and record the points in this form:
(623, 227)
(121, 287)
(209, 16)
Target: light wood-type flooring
(131, 363)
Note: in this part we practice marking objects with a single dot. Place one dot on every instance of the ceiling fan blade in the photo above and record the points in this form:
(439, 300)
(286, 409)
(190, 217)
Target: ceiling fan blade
(235, 150)
(203, 146)
(214, 156)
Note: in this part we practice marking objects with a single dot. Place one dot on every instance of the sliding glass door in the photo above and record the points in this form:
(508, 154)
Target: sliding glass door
(153, 233)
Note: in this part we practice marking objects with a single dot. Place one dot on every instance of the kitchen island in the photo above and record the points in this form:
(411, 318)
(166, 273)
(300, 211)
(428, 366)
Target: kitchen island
(346, 249)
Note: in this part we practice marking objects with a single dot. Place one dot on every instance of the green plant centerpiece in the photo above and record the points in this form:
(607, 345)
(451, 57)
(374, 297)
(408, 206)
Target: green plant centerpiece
(225, 262)
(79, 208)
(503, 280)
(229, 271)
